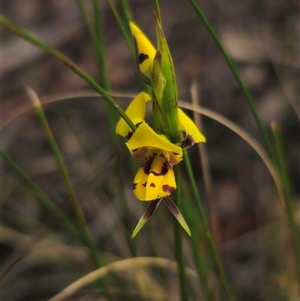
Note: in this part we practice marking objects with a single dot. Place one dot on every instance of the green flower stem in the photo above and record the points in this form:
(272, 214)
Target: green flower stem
(201, 269)
(157, 10)
(210, 240)
(289, 206)
(39, 194)
(26, 35)
(235, 73)
(178, 248)
(82, 225)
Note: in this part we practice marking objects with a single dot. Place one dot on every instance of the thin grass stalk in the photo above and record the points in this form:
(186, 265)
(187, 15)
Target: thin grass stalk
(157, 10)
(82, 225)
(253, 143)
(96, 39)
(202, 149)
(39, 194)
(124, 28)
(201, 269)
(112, 123)
(123, 266)
(211, 244)
(125, 7)
(178, 252)
(28, 36)
(289, 206)
(199, 261)
(235, 73)
(100, 41)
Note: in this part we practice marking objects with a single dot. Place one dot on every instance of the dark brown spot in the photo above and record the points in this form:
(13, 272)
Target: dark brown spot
(134, 186)
(129, 135)
(152, 185)
(144, 184)
(165, 168)
(147, 165)
(143, 57)
(187, 142)
(168, 188)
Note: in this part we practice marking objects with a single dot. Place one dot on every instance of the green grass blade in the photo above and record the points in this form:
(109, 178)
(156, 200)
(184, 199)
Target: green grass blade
(82, 225)
(234, 71)
(124, 27)
(125, 7)
(124, 211)
(211, 244)
(157, 10)
(39, 194)
(178, 248)
(100, 41)
(289, 206)
(28, 36)
(195, 240)
(96, 38)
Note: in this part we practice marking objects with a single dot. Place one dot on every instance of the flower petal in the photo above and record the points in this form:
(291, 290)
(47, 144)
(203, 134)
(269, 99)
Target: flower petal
(155, 179)
(145, 136)
(145, 52)
(135, 111)
(176, 212)
(146, 215)
(187, 125)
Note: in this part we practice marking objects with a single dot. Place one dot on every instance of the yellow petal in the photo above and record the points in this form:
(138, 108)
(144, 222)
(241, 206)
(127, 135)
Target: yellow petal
(155, 179)
(145, 52)
(135, 111)
(185, 124)
(145, 136)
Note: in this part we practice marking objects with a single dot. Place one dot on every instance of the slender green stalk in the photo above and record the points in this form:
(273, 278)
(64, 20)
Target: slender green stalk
(199, 261)
(157, 10)
(178, 249)
(100, 41)
(124, 28)
(28, 36)
(126, 10)
(212, 247)
(234, 71)
(201, 269)
(39, 194)
(111, 120)
(289, 206)
(96, 38)
(82, 225)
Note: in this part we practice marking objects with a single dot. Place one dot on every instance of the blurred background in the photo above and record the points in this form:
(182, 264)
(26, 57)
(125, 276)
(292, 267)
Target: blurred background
(248, 222)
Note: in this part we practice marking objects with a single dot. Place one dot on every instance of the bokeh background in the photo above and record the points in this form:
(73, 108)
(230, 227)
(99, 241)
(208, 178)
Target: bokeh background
(249, 225)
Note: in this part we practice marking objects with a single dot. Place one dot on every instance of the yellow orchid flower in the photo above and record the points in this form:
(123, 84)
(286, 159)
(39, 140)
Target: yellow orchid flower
(155, 179)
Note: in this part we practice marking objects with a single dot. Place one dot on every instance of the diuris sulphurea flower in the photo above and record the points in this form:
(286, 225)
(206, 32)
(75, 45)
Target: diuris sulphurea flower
(156, 148)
